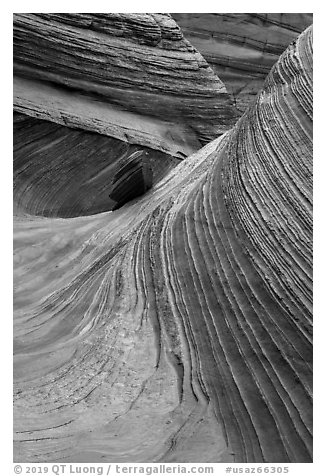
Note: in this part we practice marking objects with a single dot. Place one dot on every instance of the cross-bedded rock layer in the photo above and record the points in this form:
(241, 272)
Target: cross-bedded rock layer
(62, 172)
(133, 178)
(242, 47)
(133, 77)
(179, 328)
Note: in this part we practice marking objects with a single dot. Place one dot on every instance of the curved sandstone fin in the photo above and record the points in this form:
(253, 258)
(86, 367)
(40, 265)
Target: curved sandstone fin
(130, 76)
(178, 328)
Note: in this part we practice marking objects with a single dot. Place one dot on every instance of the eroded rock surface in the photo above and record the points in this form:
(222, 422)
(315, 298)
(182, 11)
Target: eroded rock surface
(178, 328)
(242, 47)
(88, 88)
(133, 77)
(133, 178)
(62, 172)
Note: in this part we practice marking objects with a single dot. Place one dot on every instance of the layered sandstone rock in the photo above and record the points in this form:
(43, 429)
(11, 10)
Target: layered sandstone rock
(90, 87)
(133, 178)
(62, 172)
(242, 47)
(129, 76)
(178, 328)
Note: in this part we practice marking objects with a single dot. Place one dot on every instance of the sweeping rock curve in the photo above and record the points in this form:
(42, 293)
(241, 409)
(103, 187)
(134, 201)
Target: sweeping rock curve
(62, 172)
(179, 328)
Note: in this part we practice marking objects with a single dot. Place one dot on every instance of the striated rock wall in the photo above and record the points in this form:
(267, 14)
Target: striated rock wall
(242, 47)
(133, 178)
(178, 328)
(135, 67)
(62, 172)
(88, 88)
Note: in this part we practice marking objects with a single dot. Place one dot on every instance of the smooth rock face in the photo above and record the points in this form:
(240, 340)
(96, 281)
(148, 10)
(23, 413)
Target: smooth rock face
(242, 47)
(178, 328)
(133, 66)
